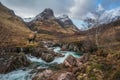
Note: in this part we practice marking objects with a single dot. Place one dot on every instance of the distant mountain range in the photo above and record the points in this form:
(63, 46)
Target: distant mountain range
(91, 19)
(45, 22)
(97, 18)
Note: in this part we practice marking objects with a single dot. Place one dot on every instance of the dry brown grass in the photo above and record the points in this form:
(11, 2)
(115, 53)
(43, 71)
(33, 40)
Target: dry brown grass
(12, 30)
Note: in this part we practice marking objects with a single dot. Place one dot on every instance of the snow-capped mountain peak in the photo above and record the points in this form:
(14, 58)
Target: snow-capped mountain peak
(82, 25)
(63, 18)
(109, 16)
(46, 14)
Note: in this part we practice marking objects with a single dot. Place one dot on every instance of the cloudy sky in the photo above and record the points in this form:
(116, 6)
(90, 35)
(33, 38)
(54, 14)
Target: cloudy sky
(74, 8)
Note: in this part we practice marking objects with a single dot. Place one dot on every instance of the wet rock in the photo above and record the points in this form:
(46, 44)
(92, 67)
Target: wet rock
(59, 55)
(12, 61)
(47, 57)
(37, 52)
(42, 53)
(79, 46)
(71, 61)
(43, 75)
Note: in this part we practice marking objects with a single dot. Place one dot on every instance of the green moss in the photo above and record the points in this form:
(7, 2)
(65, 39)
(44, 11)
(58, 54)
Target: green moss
(93, 78)
(116, 55)
(89, 69)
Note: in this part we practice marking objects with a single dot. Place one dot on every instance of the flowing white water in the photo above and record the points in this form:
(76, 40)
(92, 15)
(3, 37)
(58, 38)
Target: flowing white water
(65, 53)
(24, 74)
(57, 60)
(16, 75)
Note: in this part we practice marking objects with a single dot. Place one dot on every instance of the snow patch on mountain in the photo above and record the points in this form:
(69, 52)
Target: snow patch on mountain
(63, 18)
(28, 19)
(82, 25)
(109, 16)
(91, 19)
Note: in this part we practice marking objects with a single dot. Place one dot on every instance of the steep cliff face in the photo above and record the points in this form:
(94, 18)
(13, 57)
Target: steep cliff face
(13, 29)
(66, 23)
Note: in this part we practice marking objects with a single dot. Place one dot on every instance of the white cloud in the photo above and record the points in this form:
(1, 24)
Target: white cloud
(74, 8)
(25, 8)
(81, 7)
(100, 8)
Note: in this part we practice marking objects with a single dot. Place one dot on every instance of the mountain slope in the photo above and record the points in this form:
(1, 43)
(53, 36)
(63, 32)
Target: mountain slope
(47, 23)
(66, 22)
(13, 29)
(105, 35)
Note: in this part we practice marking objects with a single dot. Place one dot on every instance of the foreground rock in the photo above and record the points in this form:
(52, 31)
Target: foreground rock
(67, 76)
(54, 75)
(12, 61)
(43, 53)
(65, 71)
(71, 61)
(79, 46)
(43, 75)
(47, 57)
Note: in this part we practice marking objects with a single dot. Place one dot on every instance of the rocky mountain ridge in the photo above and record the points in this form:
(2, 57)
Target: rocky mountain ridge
(46, 21)
(102, 17)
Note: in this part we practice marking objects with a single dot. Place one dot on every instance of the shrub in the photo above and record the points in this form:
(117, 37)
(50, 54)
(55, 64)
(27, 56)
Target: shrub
(116, 76)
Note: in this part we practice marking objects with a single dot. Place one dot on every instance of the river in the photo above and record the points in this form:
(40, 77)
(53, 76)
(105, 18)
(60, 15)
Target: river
(24, 73)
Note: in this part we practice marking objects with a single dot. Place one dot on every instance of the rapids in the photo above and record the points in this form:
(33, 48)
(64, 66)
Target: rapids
(24, 74)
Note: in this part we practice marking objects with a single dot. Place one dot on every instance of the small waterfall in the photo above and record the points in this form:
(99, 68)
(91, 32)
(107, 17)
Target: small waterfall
(21, 49)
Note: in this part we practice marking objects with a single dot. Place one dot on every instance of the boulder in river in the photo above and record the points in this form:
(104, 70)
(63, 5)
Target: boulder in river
(71, 61)
(43, 53)
(47, 57)
(12, 61)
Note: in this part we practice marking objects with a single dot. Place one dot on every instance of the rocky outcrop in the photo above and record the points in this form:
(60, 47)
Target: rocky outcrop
(65, 21)
(12, 61)
(71, 61)
(79, 46)
(67, 76)
(43, 75)
(46, 14)
(54, 75)
(48, 57)
(43, 53)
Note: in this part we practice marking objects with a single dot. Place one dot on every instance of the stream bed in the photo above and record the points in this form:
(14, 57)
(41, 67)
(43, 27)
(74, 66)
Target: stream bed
(25, 74)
